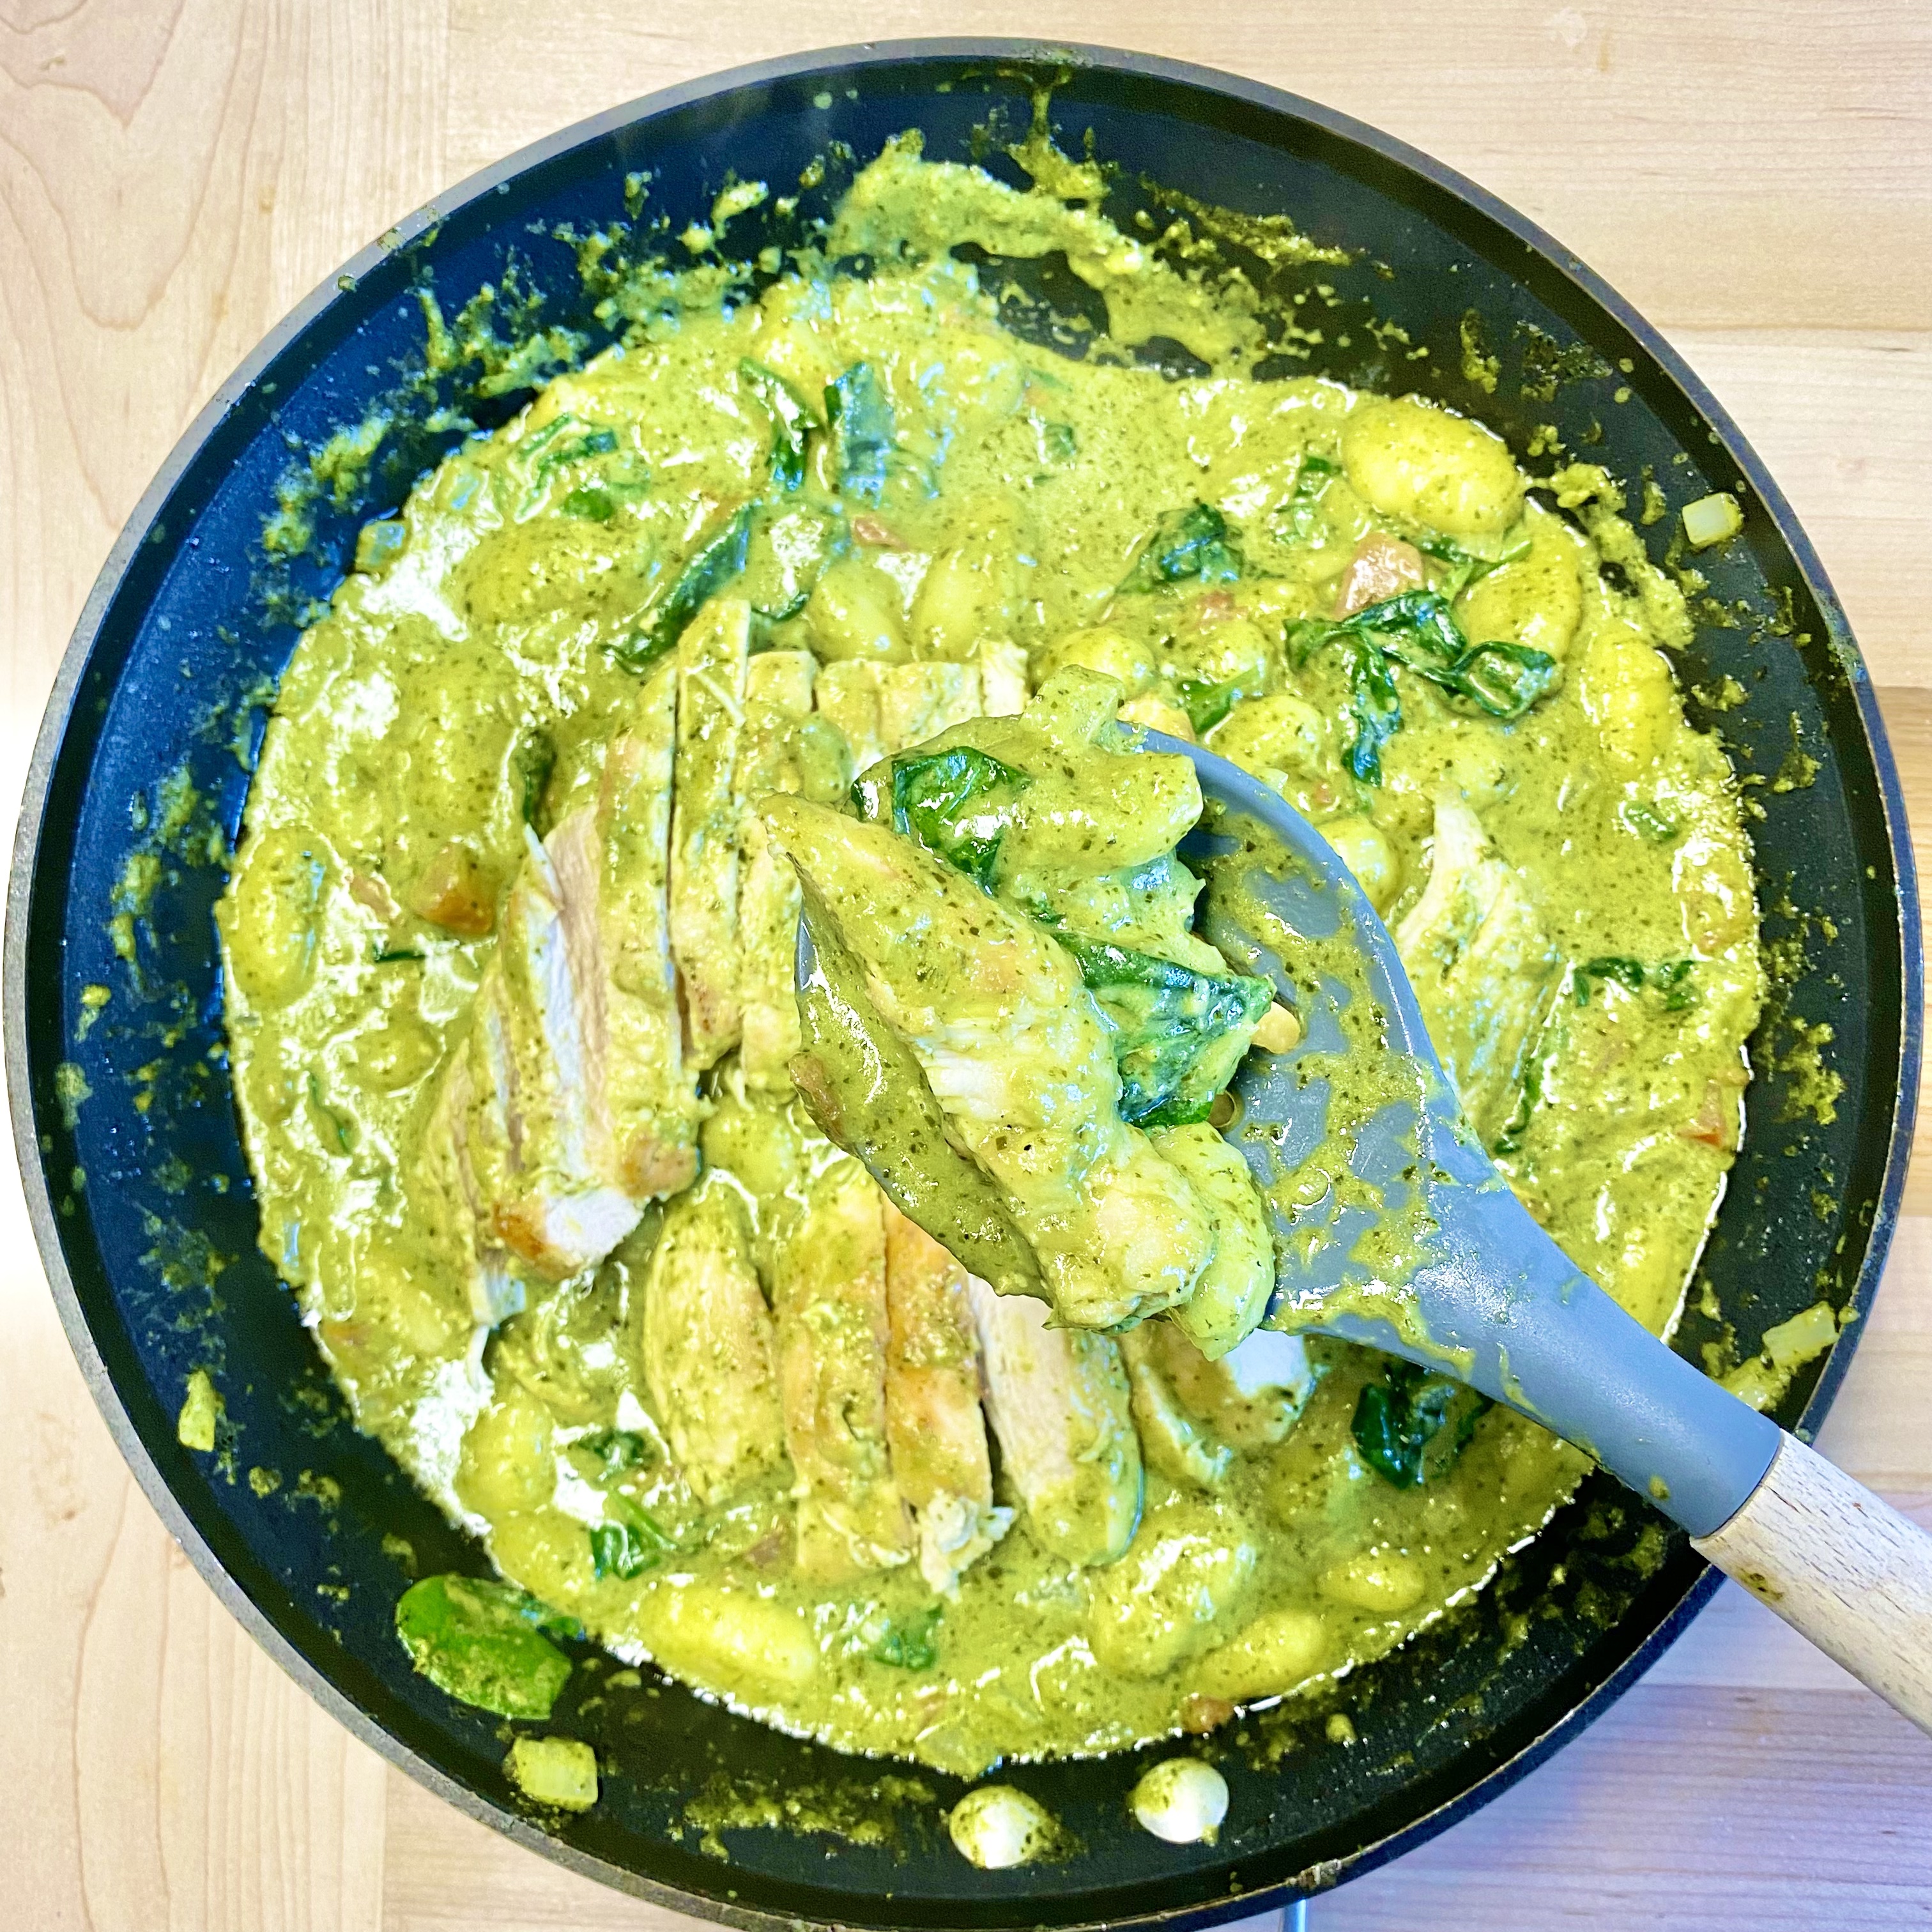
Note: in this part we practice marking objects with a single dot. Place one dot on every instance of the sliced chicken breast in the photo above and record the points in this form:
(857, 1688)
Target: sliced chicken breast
(1058, 1401)
(1019, 1058)
(830, 1292)
(709, 1353)
(934, 1424)
(706, 823)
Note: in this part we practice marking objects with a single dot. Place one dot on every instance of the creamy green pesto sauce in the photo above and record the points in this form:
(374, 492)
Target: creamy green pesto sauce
(491, 633)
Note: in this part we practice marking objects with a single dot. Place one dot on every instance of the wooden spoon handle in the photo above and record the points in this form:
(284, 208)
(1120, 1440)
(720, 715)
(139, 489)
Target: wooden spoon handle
(1841, 1566)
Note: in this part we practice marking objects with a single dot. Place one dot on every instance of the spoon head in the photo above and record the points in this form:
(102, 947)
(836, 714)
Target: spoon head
(1353, 1132)
(1392, 1225)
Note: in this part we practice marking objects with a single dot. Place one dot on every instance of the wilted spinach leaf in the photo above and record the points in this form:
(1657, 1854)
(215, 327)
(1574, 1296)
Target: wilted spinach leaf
(720, 563)
(1295, 520)
(791, 421)
(860, 415)
(908, 1645)
(1463, 567)
(1647, 821)
(951, 802)
(1410, 1425)
(535, 760)
(1178, 1034)
(628, 1545)
(615, 1448)
(595, 505)
(1628, 974)
(1207, 704)
(1417, 630)
(1671, 978)
(552, 453)
(1194, 543)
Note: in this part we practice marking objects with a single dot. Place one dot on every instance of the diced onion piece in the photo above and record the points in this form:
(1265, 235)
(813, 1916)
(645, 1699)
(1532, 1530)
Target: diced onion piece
(554, 1770)
(1182, 1801)
(997, 1827)
(1711, 519)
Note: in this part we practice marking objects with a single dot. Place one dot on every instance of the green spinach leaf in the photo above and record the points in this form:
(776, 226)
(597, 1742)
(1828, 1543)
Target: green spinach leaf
(628, 1545)
(1464, 567)
(1377, 706)
(1207, 704)
(1528, 1098)
(791, 421)
(1628, 974)
(1673, 980)
(1178, 1034)
(1647, 822)
(535, 760)
(1411, 1426)
(909, 1645)
(717, 565)
(616, 1449)
(860, 415)
(1191, 543)
(1416, 630)
(593, 504)
(953, 802)
(1295, 520)
(578, 449)
(1670, 977)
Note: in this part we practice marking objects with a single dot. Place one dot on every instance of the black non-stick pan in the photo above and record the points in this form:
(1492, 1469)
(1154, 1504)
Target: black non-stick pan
(141, 1199)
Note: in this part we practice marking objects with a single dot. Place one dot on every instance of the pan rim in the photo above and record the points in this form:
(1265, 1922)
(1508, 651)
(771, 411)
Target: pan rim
(58, 716)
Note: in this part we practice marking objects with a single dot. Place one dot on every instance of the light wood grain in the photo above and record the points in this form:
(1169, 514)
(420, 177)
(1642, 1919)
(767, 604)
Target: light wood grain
(1695, 1809)
(1842, 1567)
(1753, 174)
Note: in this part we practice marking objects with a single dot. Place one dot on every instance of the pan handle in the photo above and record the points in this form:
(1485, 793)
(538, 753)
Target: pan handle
(1841, 1566)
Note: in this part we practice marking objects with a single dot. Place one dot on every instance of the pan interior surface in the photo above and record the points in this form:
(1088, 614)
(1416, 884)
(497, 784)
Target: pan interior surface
(142, 1192)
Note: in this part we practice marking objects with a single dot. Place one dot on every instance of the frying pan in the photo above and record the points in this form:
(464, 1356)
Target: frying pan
(123, 1115)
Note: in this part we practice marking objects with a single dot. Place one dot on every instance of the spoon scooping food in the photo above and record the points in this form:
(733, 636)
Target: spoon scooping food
(1416, 1246)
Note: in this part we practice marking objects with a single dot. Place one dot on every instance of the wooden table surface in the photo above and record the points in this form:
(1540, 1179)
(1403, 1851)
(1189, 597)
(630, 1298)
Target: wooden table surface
(1755, 174)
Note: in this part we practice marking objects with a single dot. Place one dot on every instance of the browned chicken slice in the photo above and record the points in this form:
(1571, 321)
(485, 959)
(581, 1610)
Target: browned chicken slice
(830, 1296)
(1481, 963)
(848, 695)
(1058, 1399)
(934, 1426)
(708, 1347)
(1019, 1058)
(541, 1147)
(918, 701)
(1003, 686)
(614, 863)
(567, 1105)
(451, 1202)
(706, 819)
(777, 696)
(882, 708)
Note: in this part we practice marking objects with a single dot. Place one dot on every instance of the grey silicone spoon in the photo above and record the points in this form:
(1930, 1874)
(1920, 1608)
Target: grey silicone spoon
(1496, 1302)
(1497, 1294)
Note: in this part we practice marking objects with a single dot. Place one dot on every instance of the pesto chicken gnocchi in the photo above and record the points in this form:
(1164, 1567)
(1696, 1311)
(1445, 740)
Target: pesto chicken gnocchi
(826, 597)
